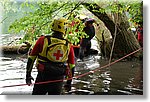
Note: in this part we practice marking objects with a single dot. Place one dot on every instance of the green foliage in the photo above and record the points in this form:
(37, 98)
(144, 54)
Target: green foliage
(136, 12)
(38, 23)
(133, 9)
(75, 31)
(8, 5)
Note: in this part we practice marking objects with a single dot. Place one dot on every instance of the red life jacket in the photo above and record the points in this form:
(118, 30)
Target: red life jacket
(140, 35)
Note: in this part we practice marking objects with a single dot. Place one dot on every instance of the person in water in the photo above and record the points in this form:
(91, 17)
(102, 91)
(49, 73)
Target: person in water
(85, 43)
(53, 55)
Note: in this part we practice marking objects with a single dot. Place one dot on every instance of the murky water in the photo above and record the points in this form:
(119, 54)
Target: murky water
(12, 73)
(122, 78)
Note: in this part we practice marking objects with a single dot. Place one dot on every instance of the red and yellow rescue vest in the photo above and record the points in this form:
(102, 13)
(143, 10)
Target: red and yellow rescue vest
(54, 49)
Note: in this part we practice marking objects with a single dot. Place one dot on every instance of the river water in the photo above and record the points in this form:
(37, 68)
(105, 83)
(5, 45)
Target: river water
(122, 78)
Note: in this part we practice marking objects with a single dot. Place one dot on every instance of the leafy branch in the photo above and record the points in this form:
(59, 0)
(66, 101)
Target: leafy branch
(37, 23)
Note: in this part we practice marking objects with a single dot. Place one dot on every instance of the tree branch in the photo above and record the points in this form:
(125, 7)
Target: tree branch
(77, 5)
(3, 19)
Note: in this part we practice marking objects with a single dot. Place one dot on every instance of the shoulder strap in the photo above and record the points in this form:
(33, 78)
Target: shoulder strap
(49, 42)
(49, 39)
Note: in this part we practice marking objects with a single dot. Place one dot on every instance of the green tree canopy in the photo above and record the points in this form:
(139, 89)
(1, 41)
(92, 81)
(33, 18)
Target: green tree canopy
(37, 21)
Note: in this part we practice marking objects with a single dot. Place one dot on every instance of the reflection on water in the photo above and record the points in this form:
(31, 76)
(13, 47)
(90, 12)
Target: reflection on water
(13, 72)
(123, 78)
(10, 39)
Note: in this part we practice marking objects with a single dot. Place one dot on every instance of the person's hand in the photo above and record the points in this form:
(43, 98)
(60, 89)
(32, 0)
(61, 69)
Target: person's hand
(28, 79)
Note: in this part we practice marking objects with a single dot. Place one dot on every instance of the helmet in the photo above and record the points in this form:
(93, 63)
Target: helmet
(90, 20)
(60, 25)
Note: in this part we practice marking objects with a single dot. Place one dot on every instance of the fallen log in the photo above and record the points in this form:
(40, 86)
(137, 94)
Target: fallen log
(22, 49)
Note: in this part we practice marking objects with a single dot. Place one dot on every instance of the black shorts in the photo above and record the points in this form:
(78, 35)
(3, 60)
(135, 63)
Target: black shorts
(45, 86)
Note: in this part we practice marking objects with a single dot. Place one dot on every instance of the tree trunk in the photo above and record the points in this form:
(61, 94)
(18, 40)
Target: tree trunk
(22, 49)
(125, 40)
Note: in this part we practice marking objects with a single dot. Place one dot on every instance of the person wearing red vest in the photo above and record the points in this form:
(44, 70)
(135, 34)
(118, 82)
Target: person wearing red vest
(140, 33)
(53, 54)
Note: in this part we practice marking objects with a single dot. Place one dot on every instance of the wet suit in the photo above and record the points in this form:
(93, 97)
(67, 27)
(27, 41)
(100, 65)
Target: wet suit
(48, 70)
(85, 43)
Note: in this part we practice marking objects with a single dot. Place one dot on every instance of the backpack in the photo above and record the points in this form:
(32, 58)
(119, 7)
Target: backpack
(55, 50)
